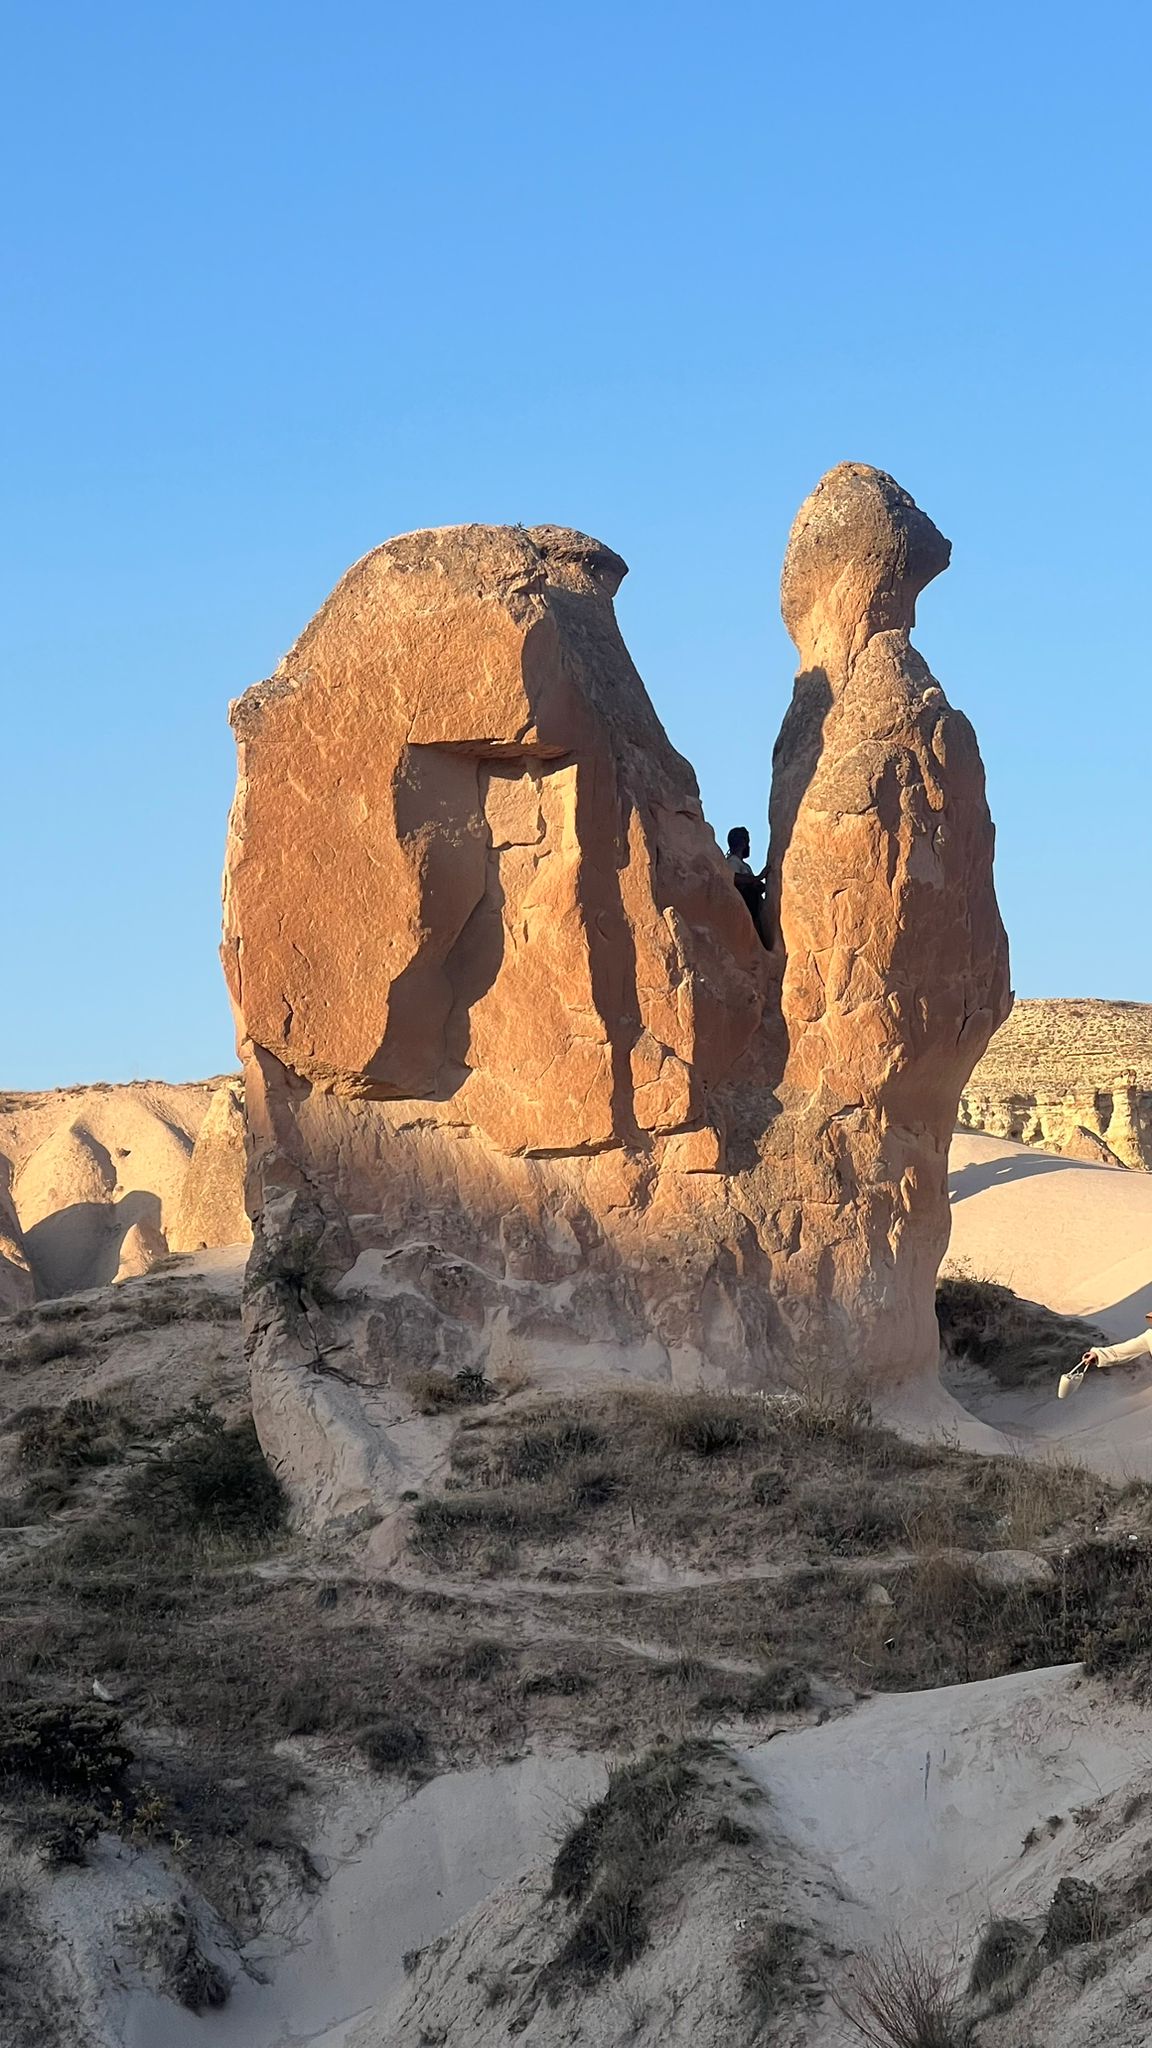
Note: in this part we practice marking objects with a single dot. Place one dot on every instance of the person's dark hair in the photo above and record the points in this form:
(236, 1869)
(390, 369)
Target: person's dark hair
(739, 833)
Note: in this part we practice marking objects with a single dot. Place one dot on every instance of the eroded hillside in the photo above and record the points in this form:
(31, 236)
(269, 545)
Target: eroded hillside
(1073, 1075)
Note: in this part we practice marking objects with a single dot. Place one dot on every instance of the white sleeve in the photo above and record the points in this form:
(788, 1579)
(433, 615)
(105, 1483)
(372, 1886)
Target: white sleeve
(1118, 1354)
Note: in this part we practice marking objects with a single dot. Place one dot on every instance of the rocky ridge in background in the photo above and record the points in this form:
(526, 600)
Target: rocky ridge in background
(98, 1183)
(523, 1085)
(1071, 1074)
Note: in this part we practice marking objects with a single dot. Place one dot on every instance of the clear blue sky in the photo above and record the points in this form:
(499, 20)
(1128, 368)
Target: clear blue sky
(285, 280)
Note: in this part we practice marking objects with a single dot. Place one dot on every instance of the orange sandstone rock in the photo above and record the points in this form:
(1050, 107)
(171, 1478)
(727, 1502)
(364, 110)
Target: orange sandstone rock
(520, 1077)
(894, 959)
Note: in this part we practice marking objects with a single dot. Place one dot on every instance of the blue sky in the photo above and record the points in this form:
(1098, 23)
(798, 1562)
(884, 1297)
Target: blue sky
(281, 281)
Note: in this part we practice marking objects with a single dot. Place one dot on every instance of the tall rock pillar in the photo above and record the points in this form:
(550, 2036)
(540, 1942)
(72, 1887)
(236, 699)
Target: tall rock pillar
(892, 958)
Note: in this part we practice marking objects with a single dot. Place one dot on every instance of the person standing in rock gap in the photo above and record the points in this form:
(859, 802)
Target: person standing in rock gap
(750, 885)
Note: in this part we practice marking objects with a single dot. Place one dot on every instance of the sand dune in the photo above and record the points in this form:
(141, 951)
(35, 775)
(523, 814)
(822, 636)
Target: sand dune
(1073, 1235)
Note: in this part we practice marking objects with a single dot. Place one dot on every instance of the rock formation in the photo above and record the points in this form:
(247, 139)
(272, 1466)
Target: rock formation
(209, 1209)
(1074, 1076)
(523, 1087)
(895, 963)
(85, 1166)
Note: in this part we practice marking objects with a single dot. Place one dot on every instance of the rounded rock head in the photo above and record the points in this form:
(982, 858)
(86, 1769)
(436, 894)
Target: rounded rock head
(577, 562)
(859, 554)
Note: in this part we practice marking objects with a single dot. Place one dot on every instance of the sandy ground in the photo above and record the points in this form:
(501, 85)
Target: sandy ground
(398, 1871)
(922, 1801)
(1076, 1236)
(919, 1813)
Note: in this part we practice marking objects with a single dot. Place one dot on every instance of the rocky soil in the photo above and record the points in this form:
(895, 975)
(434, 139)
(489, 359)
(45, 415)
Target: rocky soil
(227, 1749)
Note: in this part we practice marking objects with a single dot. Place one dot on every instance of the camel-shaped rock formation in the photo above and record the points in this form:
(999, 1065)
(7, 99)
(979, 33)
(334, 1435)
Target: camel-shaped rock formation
(524, 1092)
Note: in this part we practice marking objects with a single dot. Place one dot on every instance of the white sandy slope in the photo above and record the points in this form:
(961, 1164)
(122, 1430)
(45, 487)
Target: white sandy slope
(918, 1814)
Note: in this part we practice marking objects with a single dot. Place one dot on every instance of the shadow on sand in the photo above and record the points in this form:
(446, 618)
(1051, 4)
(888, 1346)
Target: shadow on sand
(991, 1173)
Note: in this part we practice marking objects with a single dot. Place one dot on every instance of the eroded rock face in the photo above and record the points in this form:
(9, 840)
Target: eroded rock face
(521, 1080)
(143, 1246)
(17, 1287)
(466, 866)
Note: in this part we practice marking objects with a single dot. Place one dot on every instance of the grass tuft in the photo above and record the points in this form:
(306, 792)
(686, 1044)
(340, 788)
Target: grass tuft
(612, 1860)
(906, 1998)
(768, 1969)
(394, 1746)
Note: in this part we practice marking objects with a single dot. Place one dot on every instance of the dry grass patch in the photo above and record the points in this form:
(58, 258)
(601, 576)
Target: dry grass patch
(1015, 1340)
(82, 1433)
(433, 1392)
(24, 1349)
(614, 1859)
(773, 1966)
(722, 1480)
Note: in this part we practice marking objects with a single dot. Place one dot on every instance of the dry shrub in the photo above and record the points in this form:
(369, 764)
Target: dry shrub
(769, 1968)
(394, 1745)
(853, 1516)
(611, 1861)
(713, 1425)
(432, 1392)
(212, 1480)
(44, 1347)
(903, 1997)
(1076, 1915)
(64, 1748)
(1016, 1340)
(156, 1306)
(167, 1942)
(1004, 1945)
(535, 1455)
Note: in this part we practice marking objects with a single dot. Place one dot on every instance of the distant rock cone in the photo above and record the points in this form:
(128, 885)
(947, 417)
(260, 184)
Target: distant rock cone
(513, 1049)
(210, 1207)
(83, 1164)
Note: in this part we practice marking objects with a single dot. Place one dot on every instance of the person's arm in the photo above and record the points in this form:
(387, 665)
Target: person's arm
(1119, 1354)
